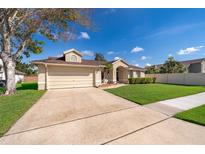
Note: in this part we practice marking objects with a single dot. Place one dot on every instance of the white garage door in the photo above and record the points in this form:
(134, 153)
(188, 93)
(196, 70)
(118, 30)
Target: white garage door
(69, 77)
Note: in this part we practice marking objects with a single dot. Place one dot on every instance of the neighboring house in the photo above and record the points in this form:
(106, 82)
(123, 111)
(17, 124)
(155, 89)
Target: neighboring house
(19, 76)
(195, 65)
(192, 66)
(71, 70)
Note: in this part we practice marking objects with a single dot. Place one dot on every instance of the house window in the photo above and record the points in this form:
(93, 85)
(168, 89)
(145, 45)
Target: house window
(131, 74)
(73, 58)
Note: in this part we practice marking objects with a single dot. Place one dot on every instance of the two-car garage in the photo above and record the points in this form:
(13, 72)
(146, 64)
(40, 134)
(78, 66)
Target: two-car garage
(68, 71)
(69, 77)
(60, 77)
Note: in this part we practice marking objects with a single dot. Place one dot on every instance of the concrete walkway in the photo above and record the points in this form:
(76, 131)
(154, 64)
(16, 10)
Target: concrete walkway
(173, 106)
(93, 116)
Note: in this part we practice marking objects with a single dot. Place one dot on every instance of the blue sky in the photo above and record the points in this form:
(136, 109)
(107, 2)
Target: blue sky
(139, 36)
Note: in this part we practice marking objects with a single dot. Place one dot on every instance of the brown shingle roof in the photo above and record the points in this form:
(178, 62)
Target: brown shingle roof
(136, 68)
(61, 60)
(186, 62)
(192, 61)
(117, 60)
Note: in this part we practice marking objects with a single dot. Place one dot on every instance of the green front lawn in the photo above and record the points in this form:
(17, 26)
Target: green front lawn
(195, 115)
(150, 93)
(13, 107)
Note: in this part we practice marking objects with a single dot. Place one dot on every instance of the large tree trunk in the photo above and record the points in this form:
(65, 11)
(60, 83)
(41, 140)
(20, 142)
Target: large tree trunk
(9, 66)
(10, 75)
(8, 61)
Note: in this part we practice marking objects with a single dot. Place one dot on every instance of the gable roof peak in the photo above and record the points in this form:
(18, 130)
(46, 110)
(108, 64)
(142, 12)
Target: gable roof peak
(120, 60)
(73, 50)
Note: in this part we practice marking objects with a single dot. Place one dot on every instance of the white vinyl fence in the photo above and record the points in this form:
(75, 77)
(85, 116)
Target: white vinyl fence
(180, 78)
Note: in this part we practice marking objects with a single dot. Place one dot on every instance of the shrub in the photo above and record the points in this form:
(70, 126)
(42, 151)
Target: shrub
(153, 79)
(137, 80)
(131, 80)
(145, 80)
(148, 80)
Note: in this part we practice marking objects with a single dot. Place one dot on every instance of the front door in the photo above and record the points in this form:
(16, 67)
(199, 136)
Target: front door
(117, 75)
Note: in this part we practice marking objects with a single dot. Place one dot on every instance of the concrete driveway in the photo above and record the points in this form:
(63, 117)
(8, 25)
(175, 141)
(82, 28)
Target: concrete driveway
(93, 116)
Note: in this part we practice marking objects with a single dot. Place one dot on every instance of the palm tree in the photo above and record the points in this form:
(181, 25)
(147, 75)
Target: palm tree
(99, 57)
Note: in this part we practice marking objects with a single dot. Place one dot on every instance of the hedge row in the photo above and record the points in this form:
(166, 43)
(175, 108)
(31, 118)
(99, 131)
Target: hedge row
(141, 80)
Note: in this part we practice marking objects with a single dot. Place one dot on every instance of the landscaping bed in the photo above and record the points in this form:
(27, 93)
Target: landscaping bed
(14, 106)
(195, 115)
(150, 93)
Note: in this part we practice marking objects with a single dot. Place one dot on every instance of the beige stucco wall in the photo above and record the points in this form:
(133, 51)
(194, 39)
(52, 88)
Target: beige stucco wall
(68, 77)
(68, 57)
(136, 74)
(123, 74)
(117, 64)
(41, 77)
(97, 77)
(108, 75)
(142, 74)
(203, 66)
(180, 78)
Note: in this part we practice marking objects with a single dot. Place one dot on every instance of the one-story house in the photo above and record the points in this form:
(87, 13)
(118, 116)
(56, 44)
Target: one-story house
(70, 70)
(19, 76)
(191, 66)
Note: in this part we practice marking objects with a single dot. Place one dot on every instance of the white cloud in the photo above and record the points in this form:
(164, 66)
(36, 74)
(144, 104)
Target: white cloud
(175, 30)
(137, 65)
(189, 50)
(136, 49)
(143, 58)
(84, 35)
(71, 35)
(170, 55)
(88, 53)
(117, 58)
(110, 52)
(148, 64)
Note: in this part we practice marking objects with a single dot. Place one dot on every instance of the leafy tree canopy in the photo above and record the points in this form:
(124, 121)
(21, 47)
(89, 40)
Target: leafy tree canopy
(101, 58)
(22, 25)
(21, 30)
(172, 66)
(29, 69)
(152, 70)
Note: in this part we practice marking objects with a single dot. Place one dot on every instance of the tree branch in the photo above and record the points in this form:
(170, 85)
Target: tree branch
(15, 12)
(20, 49)
(19, 21)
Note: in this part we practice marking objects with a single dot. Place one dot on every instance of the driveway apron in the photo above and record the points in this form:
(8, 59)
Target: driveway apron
(93, 116)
